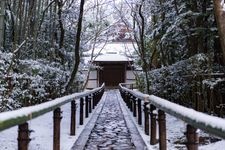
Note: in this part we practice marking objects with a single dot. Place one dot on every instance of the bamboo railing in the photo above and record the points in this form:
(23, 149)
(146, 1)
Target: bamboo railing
(20, 117)
(140, 103)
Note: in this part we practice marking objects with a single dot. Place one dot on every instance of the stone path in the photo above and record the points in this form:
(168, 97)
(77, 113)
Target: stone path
(110, 131)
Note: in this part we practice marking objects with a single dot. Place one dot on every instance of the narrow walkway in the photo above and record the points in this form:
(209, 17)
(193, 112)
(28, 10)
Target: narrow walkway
(110, 131)
(110, 127)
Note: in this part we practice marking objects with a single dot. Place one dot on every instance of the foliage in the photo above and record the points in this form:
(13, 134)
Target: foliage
(173, 82)
(31, 82)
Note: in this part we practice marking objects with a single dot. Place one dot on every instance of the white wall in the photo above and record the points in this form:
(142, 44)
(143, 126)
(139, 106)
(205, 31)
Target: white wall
(93, 75)
(93, 80)
(130, 77)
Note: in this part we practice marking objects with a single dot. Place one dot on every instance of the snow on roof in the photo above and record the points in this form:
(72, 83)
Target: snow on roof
(114, 51)
(119, 47)
(112, 57)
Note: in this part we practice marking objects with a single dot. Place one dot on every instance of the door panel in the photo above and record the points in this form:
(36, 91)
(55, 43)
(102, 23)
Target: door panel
(112, 74)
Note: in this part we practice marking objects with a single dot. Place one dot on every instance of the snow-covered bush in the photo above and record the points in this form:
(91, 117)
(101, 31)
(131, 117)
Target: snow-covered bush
(173, 82)
(30, 82)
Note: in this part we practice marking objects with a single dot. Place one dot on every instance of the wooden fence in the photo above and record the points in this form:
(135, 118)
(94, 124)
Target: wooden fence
(140, 103)
(88, 101)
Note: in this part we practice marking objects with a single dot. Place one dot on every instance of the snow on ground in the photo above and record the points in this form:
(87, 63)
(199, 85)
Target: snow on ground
(214, 146)
(175, 134)
(42, 137)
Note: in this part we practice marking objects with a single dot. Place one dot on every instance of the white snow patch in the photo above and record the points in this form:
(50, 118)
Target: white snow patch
(28, 111)
(114, 51)
(42, 137)
(196, 116)
(214, 146)
(222, 3)
(112, 57)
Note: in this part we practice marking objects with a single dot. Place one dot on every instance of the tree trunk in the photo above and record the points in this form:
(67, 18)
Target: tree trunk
(77, 48)
(2, 14)
(220, 18)
(62, 31)
(193, 39)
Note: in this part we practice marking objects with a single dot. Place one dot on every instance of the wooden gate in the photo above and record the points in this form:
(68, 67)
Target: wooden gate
(112, 74)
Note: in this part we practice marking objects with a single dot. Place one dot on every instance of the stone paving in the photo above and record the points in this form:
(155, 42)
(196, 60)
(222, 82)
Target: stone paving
(110, 131)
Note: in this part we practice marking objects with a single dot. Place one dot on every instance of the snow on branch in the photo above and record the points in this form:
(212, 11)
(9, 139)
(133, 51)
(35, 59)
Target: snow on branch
(222, 3)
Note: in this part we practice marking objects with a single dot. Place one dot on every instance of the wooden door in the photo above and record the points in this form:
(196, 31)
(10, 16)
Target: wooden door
(112, 75)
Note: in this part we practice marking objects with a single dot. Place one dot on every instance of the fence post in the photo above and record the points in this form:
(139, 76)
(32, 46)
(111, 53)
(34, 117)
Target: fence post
(73, 118)
(23, 136)
(98, 97)
(86, 106)
(56, 129)
(146, 117)
(162, 130)
(126, 98)
(93, 100)
(134, 107)
(81, 111)
(153, 139)
(131, 103)
(192, 138)
(139, 112)
(90, 99)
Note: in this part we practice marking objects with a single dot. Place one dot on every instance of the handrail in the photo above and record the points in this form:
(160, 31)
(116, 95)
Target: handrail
(20, 116)
(211, 124)
(131, 85)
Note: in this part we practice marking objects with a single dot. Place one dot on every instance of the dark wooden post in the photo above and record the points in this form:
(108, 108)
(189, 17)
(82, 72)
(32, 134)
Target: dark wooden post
(90, 103)
(153, 139)
(98, 96)
(134, 107)
(93, 100)
(56, 129)
(146, 118)
(131, 103)
(139, 112)
(73, 118)
(23, 136)
(128, 100)
(162, 130)
(86, 106)
(192, 138)
(125, 97)
(81, 111)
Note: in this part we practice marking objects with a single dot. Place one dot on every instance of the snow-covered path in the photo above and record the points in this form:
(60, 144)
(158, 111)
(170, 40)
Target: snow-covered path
(110, 131)
(42, 126)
